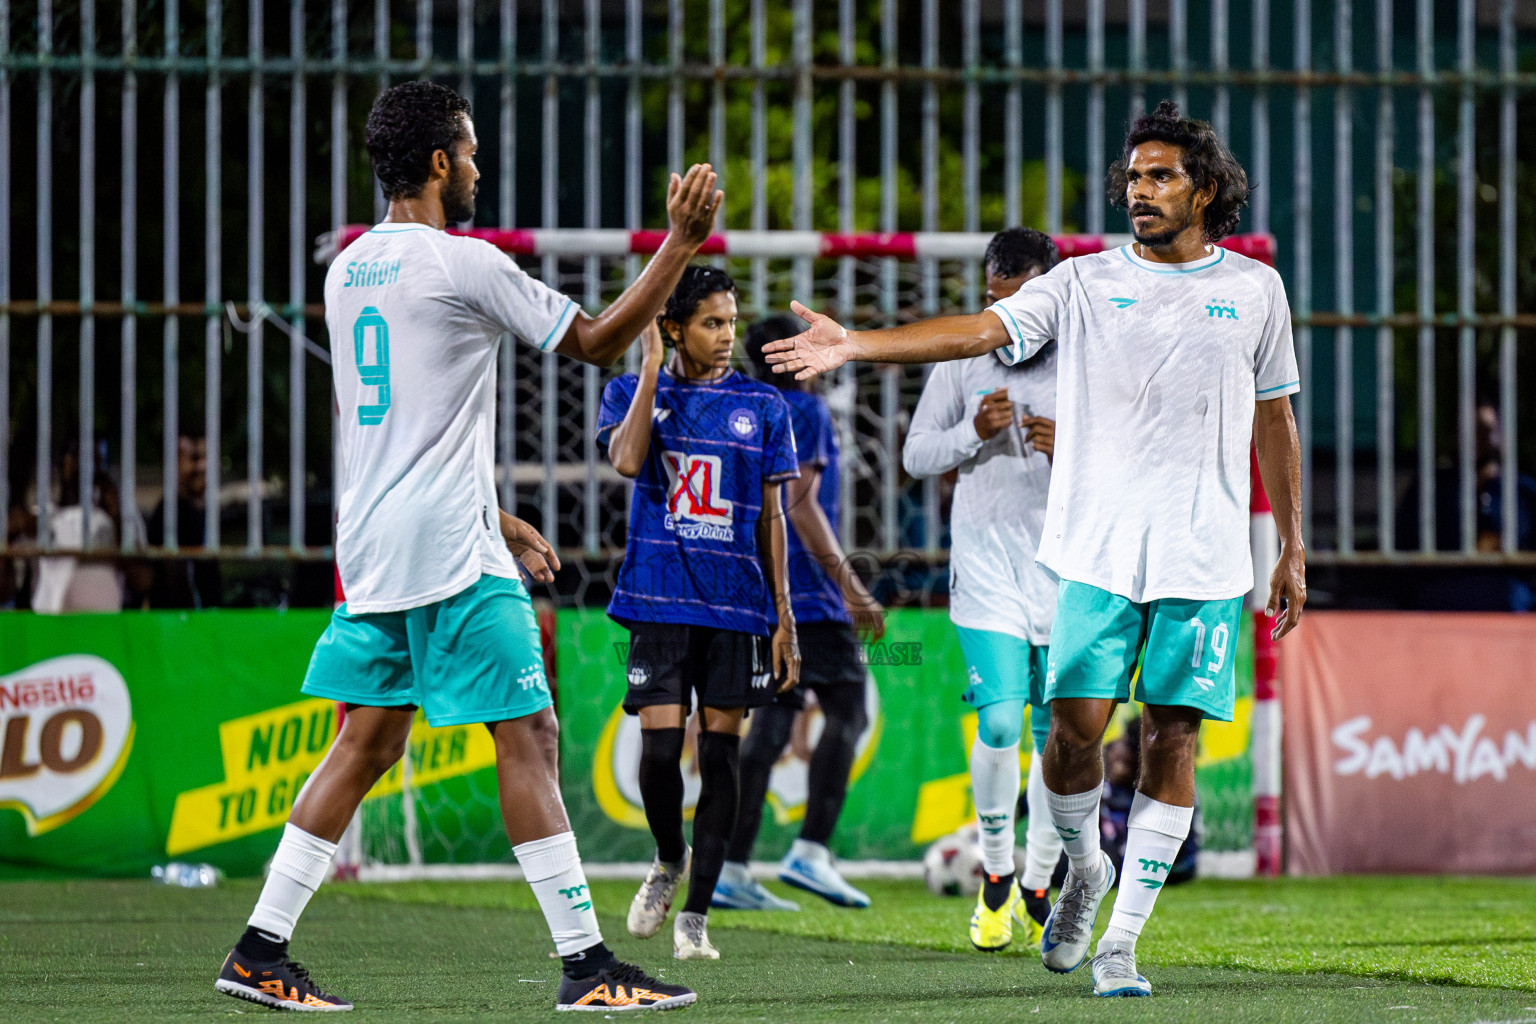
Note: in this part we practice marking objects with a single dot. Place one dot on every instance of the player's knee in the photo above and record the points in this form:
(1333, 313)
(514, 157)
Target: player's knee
(1073, 733)
(377, 750)
(999, 725)
(533, 739)
(853, 722)
(766, 739)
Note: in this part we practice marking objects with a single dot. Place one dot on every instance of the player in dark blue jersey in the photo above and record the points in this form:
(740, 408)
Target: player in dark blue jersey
(704, 582)
(829, 602)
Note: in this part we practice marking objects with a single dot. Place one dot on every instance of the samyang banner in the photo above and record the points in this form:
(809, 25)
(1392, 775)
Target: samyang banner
(1410, 743)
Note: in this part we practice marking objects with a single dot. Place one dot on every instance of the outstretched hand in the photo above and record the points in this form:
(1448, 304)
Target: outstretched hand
(822, 348)
(693, 203)
(530, 548)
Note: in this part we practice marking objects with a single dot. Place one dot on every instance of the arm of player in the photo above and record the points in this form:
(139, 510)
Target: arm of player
(826, 344)
(692, 205)
(773, 546)
(630, 441)
(942, 436)
(815, 532)
(1274, 433)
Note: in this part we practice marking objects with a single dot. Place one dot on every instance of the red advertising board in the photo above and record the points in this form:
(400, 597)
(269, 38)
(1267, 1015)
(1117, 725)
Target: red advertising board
(1410, 743)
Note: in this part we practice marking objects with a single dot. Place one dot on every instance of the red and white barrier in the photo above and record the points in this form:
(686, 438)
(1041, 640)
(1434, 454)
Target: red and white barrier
(1265, 737)
(908, 245)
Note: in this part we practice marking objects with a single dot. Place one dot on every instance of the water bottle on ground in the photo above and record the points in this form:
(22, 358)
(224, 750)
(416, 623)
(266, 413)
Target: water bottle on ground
(188, 876)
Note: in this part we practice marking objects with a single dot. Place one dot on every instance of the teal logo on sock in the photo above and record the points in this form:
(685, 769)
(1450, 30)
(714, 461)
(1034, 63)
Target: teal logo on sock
(1069, 834)
(576, 890)
(992, 824)
(1154, 866)
(1150, 883)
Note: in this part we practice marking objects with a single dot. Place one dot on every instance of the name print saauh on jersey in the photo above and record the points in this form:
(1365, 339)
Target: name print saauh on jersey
(368, 273)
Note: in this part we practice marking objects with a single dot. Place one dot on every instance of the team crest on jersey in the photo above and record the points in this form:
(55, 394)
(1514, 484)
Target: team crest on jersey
(695, 508)
(1221, 309)
(743, 423)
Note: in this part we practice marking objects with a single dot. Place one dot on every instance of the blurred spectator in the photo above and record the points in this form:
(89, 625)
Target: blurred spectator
(78, 583)
(186, 582)
(1462, 589)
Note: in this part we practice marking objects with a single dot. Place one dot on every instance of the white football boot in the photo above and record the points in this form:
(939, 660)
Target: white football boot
(648, 912)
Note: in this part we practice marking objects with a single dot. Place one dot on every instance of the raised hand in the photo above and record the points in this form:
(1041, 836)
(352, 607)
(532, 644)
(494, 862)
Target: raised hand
(693, 203)
(823, 347)
(653, 352)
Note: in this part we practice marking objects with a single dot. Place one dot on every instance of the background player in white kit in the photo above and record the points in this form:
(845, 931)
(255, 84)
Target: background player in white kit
(1173, 355)
(437, 615)
(993, 422)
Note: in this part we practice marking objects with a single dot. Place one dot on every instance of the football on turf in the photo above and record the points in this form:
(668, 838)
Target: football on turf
(952, 865)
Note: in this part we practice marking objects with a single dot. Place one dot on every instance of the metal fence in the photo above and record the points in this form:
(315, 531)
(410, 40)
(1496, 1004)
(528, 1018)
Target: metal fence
(166, 168)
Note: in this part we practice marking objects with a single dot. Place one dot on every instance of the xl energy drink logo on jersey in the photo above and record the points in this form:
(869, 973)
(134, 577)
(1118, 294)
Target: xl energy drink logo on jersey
(66, 728)
(695, 508)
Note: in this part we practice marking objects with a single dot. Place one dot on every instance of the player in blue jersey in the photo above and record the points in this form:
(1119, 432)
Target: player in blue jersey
(829, 601)
(704, 582)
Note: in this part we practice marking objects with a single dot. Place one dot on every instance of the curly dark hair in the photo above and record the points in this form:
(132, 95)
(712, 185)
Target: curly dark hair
(1206, 159)
(408, 123)
(772, 328)
(696, 285)
(1014, 251)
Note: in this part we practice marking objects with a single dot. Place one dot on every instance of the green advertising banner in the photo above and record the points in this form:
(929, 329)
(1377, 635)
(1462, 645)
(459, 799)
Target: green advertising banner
(131, 740)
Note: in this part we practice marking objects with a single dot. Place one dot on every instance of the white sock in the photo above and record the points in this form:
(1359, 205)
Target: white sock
(995, 790)
(1075, 816)
(804, 849)
(553, 869)
(1042, 849)
(1154, 833)
(298, 867)
(735, 873)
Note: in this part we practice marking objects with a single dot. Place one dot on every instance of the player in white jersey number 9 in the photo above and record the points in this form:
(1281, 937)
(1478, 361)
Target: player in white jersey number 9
(436, 616)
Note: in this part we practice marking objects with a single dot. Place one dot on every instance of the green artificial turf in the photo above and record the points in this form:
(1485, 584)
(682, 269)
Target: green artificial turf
(1352, 949)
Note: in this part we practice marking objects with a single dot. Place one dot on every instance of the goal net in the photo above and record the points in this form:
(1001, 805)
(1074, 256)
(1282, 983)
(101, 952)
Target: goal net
(437, 813)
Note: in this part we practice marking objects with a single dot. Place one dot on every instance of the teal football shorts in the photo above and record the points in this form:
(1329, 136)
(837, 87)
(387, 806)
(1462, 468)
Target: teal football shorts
(1002, 667)
(1181, 653)
(472, 657)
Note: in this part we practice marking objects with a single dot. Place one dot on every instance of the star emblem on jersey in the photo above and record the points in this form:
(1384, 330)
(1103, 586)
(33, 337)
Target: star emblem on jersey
(1121, 303)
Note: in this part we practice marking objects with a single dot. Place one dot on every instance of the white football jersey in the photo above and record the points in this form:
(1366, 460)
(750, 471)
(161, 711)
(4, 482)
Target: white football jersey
(415, 316)
(998, 509)
(1158, 369)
